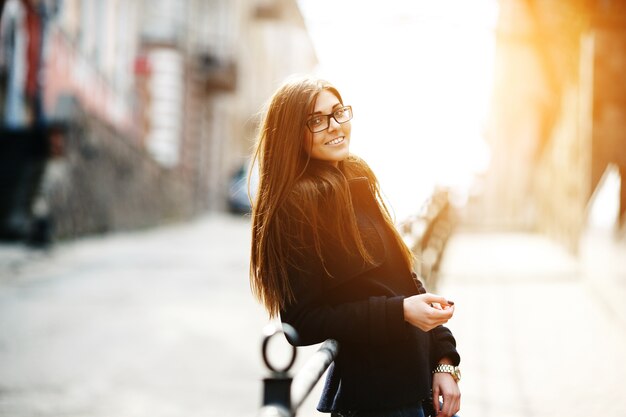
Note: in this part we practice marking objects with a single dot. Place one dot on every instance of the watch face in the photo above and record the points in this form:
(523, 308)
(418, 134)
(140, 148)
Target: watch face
(457, 373)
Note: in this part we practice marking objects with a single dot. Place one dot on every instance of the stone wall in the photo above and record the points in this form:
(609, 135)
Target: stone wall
(561, 178)
(608, 110)
(590, 134)
(558, 117)
(99, 181)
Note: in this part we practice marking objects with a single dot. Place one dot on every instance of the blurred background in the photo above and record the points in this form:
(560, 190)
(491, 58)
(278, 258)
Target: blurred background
(125, 135)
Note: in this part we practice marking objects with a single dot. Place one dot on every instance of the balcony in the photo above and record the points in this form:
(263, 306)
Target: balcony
(216, 73)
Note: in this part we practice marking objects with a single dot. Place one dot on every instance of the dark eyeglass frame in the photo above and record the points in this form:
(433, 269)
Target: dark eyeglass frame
(328, 116)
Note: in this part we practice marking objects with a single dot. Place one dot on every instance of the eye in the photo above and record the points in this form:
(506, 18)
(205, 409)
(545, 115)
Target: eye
(316, 121)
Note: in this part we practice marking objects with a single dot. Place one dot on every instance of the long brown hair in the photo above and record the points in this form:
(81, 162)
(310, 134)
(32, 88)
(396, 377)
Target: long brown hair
(291, 187)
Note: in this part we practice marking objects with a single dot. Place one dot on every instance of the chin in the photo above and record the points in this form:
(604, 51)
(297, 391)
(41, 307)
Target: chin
(343, 156)
(333, 158)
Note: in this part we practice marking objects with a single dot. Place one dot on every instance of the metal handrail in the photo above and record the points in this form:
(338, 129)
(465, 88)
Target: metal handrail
(282, 394)
(426, 235)
(312, 371)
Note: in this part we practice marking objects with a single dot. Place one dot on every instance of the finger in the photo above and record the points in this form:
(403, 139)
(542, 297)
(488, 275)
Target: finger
(436, 322)
(451, 404)
(455, 406)
(433, 298)
(449, 311)
(436, 400)
(442, 314)
(446, 304)
(447, 406)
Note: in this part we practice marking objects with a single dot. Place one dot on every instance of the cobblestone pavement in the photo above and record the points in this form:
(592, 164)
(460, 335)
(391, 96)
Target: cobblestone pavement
(161, 323)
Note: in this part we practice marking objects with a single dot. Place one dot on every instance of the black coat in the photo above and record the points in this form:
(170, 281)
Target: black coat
(383, 361)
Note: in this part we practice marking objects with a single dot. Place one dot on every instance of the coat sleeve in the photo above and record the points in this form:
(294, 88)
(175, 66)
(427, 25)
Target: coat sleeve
(377, 320)
(444, 346)
(318, 312)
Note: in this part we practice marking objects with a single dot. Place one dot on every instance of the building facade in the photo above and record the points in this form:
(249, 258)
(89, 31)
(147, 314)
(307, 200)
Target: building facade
(558, 116)
(148, 106)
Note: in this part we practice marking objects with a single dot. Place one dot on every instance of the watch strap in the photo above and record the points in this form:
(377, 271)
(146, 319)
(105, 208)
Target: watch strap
(448, 369)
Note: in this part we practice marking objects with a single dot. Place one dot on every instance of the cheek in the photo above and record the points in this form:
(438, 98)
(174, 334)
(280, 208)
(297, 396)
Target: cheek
(347, 129)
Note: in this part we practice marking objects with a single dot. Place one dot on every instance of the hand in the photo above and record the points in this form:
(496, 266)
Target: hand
(444, 385)
(427, 311)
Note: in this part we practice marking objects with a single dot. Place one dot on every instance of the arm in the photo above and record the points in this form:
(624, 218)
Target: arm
(443, 352)
(444, 346)
(444, 385)
(319, 283)
(376, 320)
(318, 313)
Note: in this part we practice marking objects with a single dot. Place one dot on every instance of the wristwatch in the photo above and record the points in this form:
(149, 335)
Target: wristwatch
(448, 369)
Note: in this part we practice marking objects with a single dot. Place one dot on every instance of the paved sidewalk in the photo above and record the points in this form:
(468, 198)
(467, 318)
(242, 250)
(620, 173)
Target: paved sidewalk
(152, 323)
(162, 323)
(541, 333)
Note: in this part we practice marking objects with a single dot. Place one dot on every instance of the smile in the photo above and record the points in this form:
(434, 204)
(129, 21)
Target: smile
(335, 141)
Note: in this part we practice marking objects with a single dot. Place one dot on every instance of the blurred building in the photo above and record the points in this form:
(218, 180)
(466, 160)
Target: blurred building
(559, 115)
(147, 107)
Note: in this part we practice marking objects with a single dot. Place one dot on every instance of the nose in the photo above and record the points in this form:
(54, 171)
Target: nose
(332, 124)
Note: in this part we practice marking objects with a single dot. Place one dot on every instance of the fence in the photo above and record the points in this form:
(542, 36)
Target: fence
(427, 233)
(282, 394)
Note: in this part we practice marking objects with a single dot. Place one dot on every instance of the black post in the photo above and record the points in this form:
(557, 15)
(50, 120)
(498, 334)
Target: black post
(281, 398)
(277, 387)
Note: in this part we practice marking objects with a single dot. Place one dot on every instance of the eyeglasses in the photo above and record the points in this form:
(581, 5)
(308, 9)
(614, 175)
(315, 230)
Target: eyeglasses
(320, 122)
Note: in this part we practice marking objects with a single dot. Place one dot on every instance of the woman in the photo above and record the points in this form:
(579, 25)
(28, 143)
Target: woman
(327, 258)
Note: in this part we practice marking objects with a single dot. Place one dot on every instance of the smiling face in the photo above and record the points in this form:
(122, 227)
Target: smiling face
(330, 145)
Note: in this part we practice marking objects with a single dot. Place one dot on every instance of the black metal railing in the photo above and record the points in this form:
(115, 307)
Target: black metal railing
(427, 233)
(283, 394)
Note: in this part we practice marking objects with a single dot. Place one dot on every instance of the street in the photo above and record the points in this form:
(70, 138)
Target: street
(161, 322)
(152, 323)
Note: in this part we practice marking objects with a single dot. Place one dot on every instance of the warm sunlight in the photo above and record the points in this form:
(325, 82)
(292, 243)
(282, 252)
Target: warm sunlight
(419, 76)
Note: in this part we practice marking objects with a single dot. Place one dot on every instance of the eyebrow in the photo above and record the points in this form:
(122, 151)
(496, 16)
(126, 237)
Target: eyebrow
(319, 112)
